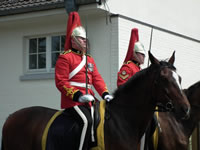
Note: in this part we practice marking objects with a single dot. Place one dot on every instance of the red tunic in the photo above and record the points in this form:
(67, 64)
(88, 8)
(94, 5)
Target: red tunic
(127, 70)
(65, 64)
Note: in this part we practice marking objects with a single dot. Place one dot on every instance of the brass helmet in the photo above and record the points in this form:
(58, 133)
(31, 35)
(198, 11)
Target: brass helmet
(79, 31)
(139, 48)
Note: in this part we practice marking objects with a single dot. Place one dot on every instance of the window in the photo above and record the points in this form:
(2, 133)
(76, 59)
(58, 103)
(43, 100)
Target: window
(37, 53)
(41, 54)
(57, 46)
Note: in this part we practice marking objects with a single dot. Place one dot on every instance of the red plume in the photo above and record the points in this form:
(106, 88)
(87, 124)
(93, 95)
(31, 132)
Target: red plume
(73, 22)
(134, 38)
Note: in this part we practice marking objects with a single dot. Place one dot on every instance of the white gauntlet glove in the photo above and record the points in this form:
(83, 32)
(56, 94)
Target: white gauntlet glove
(86, 98)
(108, 98)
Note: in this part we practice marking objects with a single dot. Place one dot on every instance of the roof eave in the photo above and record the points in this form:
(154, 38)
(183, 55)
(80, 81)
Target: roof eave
(31, 9)
(45, 7)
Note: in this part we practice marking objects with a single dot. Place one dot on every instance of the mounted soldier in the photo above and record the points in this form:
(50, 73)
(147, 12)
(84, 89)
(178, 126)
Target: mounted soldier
(75, 74)
(134, 58)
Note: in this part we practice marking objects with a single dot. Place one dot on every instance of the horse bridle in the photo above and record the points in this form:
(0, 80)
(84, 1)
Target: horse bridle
(168, 107)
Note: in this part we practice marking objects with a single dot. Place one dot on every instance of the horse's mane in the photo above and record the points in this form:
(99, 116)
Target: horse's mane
(132, 81)
(191, 89)
(139, 76)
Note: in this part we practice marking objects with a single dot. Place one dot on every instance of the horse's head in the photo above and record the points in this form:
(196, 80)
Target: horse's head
(167, 89)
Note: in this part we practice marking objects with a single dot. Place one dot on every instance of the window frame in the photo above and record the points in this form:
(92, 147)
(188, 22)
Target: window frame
(44, 73)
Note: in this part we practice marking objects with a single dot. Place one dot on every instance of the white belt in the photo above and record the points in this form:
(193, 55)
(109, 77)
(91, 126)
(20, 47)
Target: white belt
(80, 84)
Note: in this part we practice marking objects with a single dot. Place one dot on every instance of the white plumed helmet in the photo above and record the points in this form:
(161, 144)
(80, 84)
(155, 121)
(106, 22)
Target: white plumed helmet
(79, 31)
(139, 48)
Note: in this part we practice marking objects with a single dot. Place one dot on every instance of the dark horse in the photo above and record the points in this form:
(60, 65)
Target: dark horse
(127, 115)
(175, 132)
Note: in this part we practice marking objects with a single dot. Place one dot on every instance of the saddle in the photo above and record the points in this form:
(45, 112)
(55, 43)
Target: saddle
(68, 130)
(99, 125)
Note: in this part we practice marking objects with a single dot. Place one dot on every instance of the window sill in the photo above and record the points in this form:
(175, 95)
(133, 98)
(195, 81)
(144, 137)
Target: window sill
(39, 76)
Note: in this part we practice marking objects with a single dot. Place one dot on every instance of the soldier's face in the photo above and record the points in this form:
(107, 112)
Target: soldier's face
(139, 57)
(79, 43)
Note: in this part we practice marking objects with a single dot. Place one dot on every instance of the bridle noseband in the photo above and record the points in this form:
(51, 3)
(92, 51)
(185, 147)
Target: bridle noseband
(168, 107)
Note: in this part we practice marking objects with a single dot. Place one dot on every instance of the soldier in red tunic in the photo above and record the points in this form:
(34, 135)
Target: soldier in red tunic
(134, 58)
(70, 78)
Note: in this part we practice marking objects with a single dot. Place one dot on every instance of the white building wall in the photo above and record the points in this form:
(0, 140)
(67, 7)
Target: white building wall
(114, 50)
(181, 16)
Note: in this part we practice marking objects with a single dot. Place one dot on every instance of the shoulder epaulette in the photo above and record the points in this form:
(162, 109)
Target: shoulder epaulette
(128, 62)
(66, 52)
(89, 55)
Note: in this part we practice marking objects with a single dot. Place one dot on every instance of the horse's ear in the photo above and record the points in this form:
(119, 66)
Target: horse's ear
(172, 59)
(153, 59)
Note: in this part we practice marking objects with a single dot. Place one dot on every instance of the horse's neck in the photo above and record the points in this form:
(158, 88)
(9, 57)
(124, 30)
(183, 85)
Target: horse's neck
(181, 129)
(137, 102)
(185, 127)
(173, 132)
(134, 116)
(125, 127)
(130, 113)
(130, 116)
(138, 93)
(191, 123)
